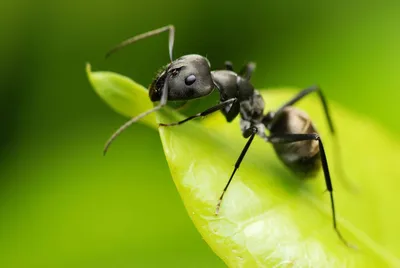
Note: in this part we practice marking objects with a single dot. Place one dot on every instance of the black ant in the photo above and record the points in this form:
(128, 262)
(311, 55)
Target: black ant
(292, 134)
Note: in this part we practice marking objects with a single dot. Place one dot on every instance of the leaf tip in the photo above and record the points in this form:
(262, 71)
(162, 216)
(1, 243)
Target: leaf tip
(88, 68)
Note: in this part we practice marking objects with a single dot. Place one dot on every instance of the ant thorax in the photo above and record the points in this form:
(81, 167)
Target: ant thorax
(252, 109)
(251, 114)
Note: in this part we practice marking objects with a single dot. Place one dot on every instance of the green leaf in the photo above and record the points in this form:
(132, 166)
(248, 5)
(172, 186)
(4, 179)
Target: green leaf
(122, 94)
(268, 216)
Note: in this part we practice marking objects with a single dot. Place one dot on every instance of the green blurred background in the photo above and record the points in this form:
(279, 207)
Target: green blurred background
(63, 204)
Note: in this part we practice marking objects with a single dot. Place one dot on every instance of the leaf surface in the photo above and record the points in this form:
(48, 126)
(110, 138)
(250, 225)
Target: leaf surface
(268, 216)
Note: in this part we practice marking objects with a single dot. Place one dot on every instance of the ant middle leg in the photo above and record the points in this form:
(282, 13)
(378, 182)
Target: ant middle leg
(250, 132)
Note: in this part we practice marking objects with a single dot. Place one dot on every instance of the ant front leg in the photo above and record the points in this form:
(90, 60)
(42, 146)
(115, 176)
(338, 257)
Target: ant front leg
(204, 113)
(289, 138)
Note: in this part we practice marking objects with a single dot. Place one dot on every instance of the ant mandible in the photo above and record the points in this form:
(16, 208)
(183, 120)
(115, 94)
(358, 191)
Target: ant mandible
(292, 133)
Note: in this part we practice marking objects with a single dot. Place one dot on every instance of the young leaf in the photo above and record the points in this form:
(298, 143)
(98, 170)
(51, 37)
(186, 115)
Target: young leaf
(268, 216)
(122, 94)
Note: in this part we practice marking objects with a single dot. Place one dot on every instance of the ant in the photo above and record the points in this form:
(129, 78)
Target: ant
(292, 133)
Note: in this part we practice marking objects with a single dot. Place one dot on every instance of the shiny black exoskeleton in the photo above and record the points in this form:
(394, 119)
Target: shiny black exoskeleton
(292, 134)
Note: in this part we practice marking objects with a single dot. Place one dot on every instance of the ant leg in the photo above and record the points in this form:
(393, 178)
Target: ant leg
(163, 102)
(206, 112)
(301, 95)
(135, 38)
(250, 132)
(288, 138)
(231, 112)
(338, 159)
(247, 70)
(229, 65)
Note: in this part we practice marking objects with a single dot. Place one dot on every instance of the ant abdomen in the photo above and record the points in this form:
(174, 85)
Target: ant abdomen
(302, 157)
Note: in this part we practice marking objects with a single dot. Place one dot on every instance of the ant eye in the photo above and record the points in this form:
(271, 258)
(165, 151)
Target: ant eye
(190, 80)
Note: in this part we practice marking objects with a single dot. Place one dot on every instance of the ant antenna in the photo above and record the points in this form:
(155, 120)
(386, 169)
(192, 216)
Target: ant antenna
(135, 38)
(163, 101)
(164, 96)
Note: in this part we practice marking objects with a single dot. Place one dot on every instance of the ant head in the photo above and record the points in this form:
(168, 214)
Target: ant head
(187, 77)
